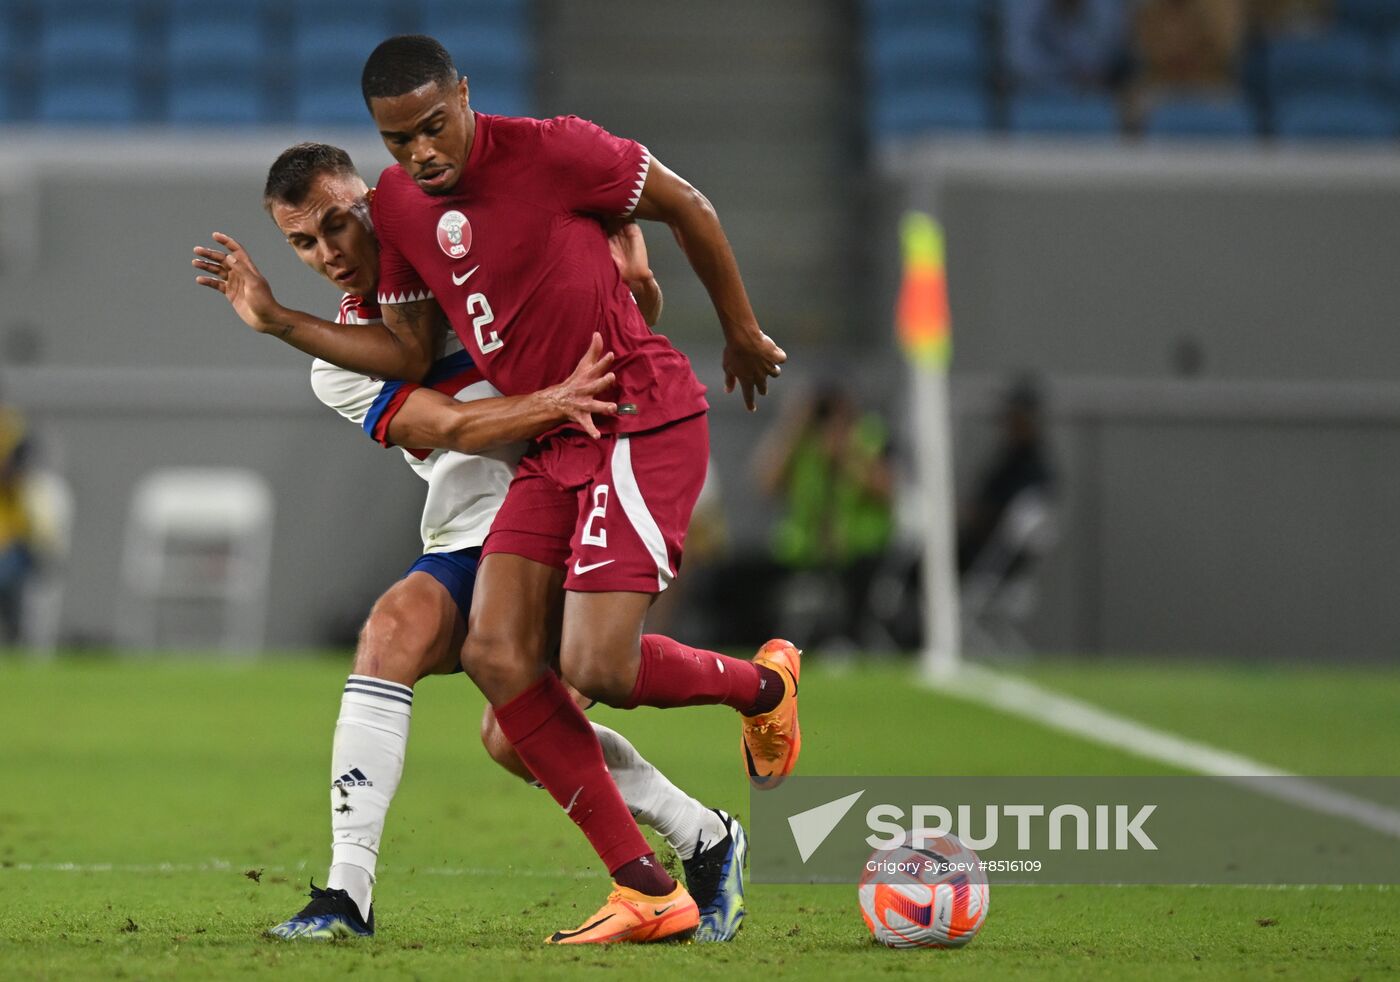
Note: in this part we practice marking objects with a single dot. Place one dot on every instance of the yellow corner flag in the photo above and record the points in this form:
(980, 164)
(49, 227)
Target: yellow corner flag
(922, 321)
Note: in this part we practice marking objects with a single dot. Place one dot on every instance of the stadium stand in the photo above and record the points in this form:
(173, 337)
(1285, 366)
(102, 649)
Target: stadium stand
(954, 108)
(890, 18)
(258, 62)
(930, 53)
(215, 66)
(1188, 116)
(89, 58)
(1376, 17)
(490, 42)
(330, 43)
(1047, 112)
(930, 67)
(1339, 63)
(7, 84)
(939, 67)
(1389, 69)
(1323, 116)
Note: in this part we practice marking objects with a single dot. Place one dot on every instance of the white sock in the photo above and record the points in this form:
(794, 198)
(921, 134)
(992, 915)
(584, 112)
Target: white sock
(366, 764)
(657, 803)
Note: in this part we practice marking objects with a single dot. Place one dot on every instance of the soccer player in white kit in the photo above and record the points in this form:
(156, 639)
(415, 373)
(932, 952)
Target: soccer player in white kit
(464, 439)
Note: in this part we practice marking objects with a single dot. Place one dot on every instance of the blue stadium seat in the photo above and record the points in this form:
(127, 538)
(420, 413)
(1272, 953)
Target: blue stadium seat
(952, 108)
(218, 101)
(1340, 63)
(458, 15)
(893, 17)
(333, 101)
(111, 101)
(89, 59)
(337, 42)
(1068, 114)
(1195, 117)
(1370, 16)
(327, 62)
(1335, 117)
(216, 39)
(5, 62)
(927, 55)
(491, 43)
(216, 59)
(1390, 67)
(362, 17)
(89, 47)
(499, 52)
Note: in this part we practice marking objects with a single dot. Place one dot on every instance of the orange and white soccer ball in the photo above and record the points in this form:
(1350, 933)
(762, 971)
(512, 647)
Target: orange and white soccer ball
(935, 896)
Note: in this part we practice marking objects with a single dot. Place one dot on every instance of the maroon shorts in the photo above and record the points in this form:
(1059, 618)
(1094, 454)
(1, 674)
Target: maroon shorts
(612, 512)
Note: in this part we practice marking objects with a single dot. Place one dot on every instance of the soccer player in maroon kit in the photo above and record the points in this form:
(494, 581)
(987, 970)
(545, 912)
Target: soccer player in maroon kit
(494, 221)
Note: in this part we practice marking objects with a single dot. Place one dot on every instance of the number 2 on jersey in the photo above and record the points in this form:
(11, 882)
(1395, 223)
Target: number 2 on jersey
(477, 306)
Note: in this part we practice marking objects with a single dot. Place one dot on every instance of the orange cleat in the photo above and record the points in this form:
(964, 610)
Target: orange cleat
(772, 740)
(632, 916)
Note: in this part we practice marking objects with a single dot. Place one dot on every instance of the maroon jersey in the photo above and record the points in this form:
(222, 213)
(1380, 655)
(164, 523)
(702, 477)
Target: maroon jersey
(517, 259)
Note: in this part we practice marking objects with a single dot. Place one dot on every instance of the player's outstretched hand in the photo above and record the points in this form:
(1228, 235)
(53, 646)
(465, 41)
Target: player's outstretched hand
(575, 398)
(234, 274)
(751, 359)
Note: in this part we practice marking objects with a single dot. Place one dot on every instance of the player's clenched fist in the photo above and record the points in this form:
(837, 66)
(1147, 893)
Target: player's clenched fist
(234, 274)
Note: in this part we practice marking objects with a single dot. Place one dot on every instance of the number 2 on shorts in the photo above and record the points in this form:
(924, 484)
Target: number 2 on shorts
(600, 508)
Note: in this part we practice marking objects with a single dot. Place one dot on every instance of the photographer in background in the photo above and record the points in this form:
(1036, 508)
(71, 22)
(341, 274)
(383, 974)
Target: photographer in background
(829, 462)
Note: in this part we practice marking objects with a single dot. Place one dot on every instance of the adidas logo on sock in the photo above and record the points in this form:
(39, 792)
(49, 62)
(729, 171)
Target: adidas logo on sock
(353, 778)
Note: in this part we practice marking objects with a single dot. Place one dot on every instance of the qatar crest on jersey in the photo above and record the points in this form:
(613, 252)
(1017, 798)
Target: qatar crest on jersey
(454, 234)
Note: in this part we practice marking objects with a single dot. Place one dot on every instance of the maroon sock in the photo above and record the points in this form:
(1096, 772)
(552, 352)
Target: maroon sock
(672, 674)
(645, 875)
(555, 740)
(770, 692)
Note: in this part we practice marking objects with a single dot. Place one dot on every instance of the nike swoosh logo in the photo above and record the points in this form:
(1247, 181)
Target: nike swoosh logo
(657, 912)
(580, 569)
(561, 935)
(459, 280)
(570, 807)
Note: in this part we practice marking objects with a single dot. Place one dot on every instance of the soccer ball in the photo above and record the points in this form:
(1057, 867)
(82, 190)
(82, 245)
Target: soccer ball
(935, 896)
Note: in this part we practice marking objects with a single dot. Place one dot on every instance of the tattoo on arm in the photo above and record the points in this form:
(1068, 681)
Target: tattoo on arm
(284, 331)
(417, 325)
(419, 316)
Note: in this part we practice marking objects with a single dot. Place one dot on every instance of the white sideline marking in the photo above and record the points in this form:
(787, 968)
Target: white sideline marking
(1082, 719)
(220, 866)
(223, 866)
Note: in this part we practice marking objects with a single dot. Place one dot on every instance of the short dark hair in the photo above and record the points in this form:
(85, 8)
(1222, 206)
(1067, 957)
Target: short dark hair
(404, 63)
(290, 176)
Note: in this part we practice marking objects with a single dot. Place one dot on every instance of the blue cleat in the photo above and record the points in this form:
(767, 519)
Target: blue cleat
(331, 914)
(715, 878)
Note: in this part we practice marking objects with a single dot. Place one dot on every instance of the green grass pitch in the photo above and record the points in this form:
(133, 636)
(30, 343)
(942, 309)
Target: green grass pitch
(142, 798)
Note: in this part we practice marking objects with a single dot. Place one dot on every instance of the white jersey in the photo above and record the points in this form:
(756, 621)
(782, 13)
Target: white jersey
(464, 490)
